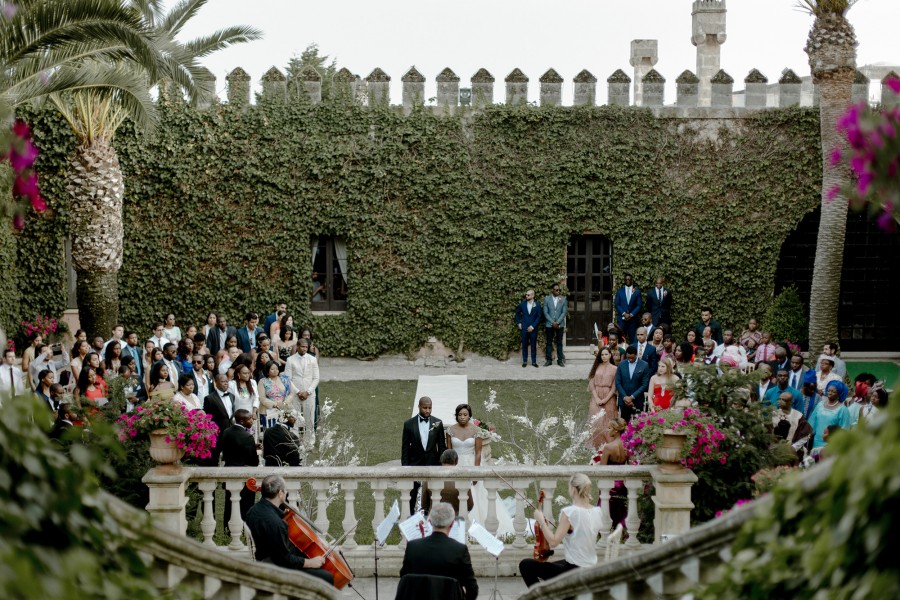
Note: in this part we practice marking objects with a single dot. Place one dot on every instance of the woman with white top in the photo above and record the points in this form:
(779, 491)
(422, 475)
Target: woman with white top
(171, 331)
(578, 527)
(243, 390)
(185, 394)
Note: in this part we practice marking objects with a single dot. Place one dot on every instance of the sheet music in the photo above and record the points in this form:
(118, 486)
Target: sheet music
(384, 528)
(484, 537)
(410, 527)
(458, 530)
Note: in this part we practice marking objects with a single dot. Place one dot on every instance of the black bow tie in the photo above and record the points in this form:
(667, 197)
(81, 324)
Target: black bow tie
(423, 419)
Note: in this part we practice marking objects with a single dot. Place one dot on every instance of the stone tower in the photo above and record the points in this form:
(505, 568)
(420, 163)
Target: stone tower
(708, 19)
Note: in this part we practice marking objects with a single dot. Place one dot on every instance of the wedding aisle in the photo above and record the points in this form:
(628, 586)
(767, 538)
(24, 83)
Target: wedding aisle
(446, 393)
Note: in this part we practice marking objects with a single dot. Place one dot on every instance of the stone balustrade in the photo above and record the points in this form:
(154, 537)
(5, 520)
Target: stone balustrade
(379, 486)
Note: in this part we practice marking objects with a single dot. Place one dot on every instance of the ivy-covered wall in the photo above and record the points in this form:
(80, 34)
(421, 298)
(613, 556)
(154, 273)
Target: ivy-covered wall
(447, 219)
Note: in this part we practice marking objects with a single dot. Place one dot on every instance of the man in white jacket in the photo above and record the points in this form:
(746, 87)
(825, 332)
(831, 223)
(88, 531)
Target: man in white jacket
(303, 369)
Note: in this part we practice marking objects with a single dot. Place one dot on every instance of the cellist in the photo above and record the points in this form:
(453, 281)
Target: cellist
(578, 527)
(270, 532)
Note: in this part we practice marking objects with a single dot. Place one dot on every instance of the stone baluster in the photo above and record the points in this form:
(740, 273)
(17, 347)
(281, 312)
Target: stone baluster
(672, 513)
(463, 487)
(238, 87)
(789, 89)
(633, 520)
(605, 485)
(889, 98)
(519, 520)
(644, 56)
(708, 35)
(585, 89)
(860, 90)
(321, 519)
(208, 523)
(447, 90)
(378, 488)
(167, 497)
(687, 89)
(343, 85)
(309, 84)
(654, 86)
(756, 90)
(618, 89)
(722, 90)
(236, 524)
(349, 521)
(549, 486)
(491, 521)
(516, 88)
(413, 89)
(293, 490)
(551, 88)
(482, 88)
(405, 488)
(379, 86)
(274, 85)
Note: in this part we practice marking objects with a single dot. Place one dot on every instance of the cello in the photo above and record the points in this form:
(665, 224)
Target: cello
(310, 542)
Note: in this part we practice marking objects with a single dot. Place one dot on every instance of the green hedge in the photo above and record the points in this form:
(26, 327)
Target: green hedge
(447, 219)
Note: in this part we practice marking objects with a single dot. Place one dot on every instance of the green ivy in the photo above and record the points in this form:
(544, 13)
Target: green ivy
(447, 218)
(786, 317)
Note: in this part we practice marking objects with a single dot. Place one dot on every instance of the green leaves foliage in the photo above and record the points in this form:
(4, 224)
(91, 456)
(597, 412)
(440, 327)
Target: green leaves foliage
(786, 317)
(448, 219)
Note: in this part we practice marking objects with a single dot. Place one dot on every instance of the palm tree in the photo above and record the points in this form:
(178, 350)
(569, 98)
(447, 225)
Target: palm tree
(95, 183)
(831, 47)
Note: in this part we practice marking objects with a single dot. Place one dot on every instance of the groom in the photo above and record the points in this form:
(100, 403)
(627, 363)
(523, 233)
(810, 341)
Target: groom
(423, 444)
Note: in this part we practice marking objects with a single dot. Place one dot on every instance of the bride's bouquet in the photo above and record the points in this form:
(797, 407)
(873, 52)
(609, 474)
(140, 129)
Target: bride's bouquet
(486, 431)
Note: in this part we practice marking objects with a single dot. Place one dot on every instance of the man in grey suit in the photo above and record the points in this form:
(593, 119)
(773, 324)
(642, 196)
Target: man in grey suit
(555, 308)
(632, 380)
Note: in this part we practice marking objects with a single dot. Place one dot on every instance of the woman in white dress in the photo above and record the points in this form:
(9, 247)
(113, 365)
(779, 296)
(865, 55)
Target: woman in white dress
(463, 436)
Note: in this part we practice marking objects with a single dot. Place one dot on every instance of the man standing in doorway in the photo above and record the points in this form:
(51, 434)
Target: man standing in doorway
(555, 307)
(528, 318)
(628, 305)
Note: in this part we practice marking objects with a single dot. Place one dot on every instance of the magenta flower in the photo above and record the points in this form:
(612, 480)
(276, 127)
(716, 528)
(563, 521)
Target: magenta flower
(894, 84)
(835, 157)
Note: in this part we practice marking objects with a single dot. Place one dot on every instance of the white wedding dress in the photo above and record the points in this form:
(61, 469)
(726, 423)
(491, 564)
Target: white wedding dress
(466, 451)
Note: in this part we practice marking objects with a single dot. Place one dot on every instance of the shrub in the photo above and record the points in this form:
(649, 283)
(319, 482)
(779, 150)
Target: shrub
(786, 318)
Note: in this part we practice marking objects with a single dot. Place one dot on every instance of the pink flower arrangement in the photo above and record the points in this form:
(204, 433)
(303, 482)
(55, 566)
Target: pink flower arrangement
(736, 504)
(42, 325)
(21, 155)
(192, 431)
(645, 433)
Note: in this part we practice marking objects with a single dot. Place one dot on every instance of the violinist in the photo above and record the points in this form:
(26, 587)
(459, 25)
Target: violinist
(578, 527)
(270, 532)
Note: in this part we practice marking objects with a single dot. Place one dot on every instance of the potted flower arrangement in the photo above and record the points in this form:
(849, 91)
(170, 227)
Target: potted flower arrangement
(487, 433)
(647, 438)
(173, 430)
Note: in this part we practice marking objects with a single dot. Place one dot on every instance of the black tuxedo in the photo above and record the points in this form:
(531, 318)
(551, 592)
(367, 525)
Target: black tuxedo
(439, 555)
(413, 455)
(239, 450)
(212, 405)
(281, 447)
(212, 338)
(661, 309)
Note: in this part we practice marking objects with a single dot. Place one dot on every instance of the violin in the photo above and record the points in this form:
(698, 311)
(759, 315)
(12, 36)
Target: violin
(310, 542)
(542, 549)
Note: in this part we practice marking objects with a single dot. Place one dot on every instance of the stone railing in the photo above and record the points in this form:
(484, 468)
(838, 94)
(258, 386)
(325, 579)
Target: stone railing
(669, 570)
(378, 486)
(182, 568)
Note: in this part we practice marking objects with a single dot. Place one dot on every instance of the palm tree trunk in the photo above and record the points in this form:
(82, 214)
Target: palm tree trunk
(96, 188)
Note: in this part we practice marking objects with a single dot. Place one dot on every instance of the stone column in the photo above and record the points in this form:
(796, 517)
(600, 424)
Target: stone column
(687, 89)
(516, 88)
(238, 87)
(672, 516)
(618, 85)
(789, 89)
(551, 88)
(308, 83)
(654, 86)
(379, 86)
(168, 497)
(274, 85)
(482, 88)
(708, 35)
(889, 98)
(860, 90)
(207, 102)
(644, 56)
(722, 86)
(343, 85)
(755, 90)
(413, 89)
(585, 89)
(448, 89)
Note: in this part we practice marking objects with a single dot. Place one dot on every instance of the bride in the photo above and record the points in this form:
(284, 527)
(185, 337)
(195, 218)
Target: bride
(463, 437)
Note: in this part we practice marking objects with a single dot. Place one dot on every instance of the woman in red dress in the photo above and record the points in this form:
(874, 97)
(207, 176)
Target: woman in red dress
(662, 386)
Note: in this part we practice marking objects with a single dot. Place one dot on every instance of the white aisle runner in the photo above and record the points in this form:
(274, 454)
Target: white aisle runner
(446, 393)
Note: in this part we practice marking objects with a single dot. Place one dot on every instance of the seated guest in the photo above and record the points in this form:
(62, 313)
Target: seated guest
(781, 387)
(449, 493)
(840, 367)
(788, 422)
(765, 350)
(765, 381)
(751, 334)
(281, 446)
(825, 373)
(437, 554)
(161, 387)
(270, 533)
(577, 531)
(185, 394)
(64, 423)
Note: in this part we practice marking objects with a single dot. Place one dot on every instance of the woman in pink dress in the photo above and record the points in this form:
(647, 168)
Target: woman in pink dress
(602, 386)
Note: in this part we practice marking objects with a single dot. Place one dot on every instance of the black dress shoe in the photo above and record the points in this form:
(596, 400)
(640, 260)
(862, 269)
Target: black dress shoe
(549, 363)
(534, 365)
(524, 365)
(561, 363)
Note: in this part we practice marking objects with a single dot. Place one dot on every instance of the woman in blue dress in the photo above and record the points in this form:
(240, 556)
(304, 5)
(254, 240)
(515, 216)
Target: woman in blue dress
(831, 411)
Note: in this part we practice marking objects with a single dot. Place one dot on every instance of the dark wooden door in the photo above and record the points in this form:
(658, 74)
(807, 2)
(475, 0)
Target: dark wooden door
(589, 279)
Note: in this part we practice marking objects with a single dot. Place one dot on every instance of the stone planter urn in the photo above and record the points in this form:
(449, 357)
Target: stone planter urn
(486, 452)
(669, 451)
(163, 452)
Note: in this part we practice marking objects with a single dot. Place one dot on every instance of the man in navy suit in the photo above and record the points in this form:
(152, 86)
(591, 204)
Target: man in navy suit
(246, 335)
(528, 318)
(628, 305)
(632, 380)
(280, 310)
(659, 302)
(647, 351)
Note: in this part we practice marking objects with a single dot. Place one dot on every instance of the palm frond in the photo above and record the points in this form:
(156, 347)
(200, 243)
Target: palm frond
(221, 39)
(150, 10)
(180, 14)
(824, 7)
